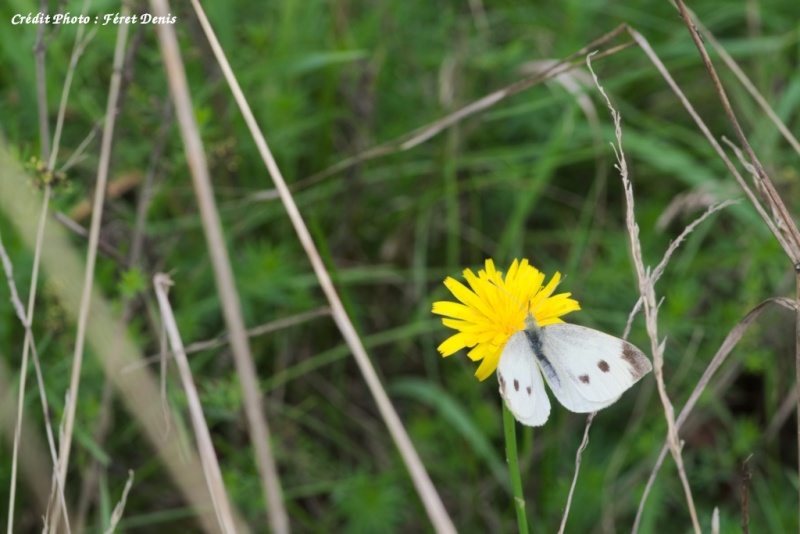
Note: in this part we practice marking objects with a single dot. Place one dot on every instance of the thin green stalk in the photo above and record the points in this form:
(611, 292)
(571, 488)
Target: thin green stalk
(513, 468)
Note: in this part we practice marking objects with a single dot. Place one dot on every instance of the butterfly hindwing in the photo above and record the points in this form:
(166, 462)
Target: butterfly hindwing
(521, 384)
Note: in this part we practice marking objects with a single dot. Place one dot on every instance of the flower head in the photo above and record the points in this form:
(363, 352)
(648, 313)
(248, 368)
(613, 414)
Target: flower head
(493, 308)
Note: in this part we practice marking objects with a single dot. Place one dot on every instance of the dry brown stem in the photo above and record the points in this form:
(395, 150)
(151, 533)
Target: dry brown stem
(260, 436)
(648, 298)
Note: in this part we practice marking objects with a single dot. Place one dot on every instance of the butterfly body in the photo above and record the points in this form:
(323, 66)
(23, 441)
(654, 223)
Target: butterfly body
(586, 369)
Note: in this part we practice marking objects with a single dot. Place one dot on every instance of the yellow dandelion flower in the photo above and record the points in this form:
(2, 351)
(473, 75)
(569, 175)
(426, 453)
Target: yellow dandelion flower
(490, 310)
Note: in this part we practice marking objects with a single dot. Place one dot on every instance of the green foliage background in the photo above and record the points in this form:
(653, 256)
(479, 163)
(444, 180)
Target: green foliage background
(527, 178)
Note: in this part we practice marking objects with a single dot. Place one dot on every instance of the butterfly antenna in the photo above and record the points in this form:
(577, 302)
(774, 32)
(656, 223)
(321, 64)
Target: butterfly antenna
(522, 306)
(533, 311)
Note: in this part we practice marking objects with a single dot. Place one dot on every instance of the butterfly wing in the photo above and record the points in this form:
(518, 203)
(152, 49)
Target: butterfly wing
(521, 384)
(589, 370)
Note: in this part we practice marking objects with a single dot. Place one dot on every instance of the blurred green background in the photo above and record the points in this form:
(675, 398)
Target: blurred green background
(530, 177)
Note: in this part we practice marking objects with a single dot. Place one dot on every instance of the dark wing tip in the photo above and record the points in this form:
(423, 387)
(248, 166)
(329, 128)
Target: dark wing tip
(638, 363)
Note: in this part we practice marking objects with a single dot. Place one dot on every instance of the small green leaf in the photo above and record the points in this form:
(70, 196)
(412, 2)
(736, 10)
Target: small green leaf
(132, 282)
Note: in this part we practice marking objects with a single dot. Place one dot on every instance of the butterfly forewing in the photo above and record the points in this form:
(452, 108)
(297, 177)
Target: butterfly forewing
(593, 368)
(521, 384)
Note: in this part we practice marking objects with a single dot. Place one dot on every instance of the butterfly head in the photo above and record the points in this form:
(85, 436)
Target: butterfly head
(530, 322)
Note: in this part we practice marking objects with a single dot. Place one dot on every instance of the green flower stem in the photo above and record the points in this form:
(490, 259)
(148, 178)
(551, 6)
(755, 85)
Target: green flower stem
(513, 468)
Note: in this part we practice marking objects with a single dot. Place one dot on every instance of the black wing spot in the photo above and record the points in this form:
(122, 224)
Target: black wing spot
(516, 385)
(584, 379)
(603, 366)
(529, 390)
(502, 383)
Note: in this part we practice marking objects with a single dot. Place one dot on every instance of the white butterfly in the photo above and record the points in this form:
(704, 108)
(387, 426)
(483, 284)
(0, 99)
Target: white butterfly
(586, 369)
